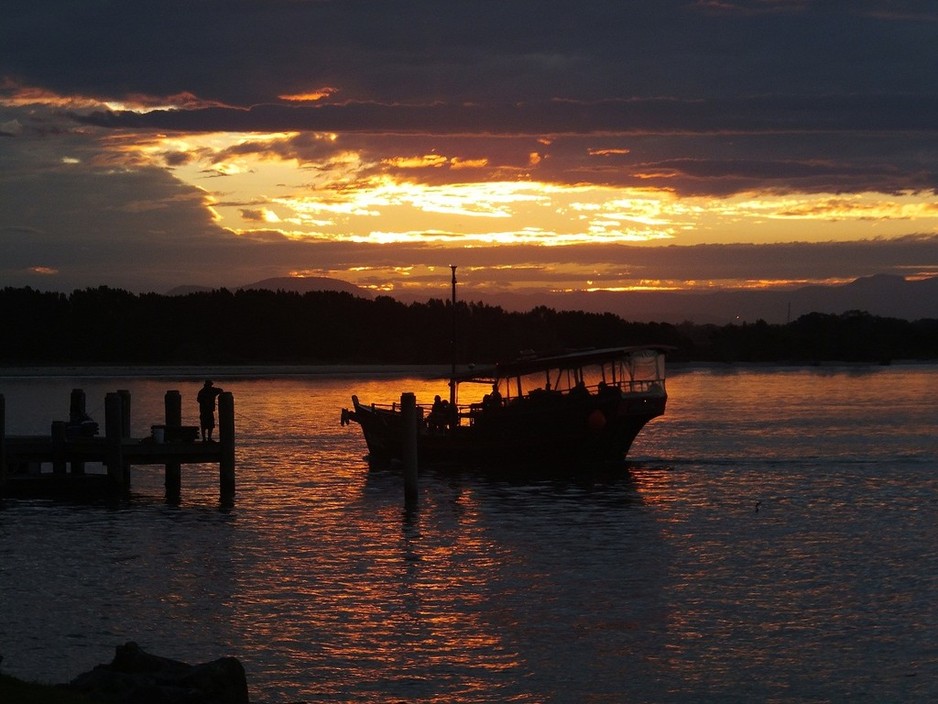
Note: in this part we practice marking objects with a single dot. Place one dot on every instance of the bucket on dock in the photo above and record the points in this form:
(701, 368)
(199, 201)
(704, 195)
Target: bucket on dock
(159, 433)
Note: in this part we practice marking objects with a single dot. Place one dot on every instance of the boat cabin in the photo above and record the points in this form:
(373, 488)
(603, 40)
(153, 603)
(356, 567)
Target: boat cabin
(618, 370)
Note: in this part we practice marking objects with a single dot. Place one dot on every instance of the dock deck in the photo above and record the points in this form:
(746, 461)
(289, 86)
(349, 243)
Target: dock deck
(42, 449)
(22, 457)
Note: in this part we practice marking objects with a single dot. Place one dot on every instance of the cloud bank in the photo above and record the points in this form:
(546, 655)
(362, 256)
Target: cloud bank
(539, 145)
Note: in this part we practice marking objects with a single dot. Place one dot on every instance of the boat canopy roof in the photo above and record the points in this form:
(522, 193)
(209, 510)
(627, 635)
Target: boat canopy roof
(570, 360)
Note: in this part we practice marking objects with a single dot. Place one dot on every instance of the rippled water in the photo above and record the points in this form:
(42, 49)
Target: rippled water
(773, 538)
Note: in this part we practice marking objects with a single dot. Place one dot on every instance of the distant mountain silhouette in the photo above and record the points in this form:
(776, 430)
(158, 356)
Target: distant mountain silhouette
(304, 284)
(299, 284)
(882, 295)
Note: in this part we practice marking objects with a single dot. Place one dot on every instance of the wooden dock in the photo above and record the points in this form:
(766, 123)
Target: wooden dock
(70, 446)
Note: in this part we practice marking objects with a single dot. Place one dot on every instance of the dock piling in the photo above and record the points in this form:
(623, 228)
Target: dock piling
(76, 405)
(409, 416)
(125, 412)
(59, 451)
(226, 438)
(125, 431)
(3, 444)
(172, 402)
(113, 428)
(77, 412)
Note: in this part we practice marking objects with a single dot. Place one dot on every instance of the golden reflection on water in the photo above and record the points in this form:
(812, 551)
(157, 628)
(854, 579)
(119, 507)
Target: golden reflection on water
(354, 581)
(349, 586)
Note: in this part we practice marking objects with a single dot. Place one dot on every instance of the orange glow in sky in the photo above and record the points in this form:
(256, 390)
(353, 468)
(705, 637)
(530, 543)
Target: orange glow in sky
(344, 197)
(615, 148)
(325, 187)
(255, 185)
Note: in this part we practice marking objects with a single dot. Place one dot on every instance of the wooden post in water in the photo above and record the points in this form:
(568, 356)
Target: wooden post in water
(59, 461)
(76, 405)
(409, 417)
(113, 426)
(452, 345)
(125, 412)
(172, 402)
(3, 444)
(125, 429)
(76, 413)
(226, 437)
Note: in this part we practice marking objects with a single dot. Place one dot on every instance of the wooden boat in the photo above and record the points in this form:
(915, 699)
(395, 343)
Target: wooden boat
(561, 410)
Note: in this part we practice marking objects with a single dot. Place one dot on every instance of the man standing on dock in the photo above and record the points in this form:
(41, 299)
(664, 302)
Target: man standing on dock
(206, 398)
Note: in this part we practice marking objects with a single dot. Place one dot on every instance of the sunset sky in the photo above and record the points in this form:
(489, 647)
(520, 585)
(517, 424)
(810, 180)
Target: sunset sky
(538, 145)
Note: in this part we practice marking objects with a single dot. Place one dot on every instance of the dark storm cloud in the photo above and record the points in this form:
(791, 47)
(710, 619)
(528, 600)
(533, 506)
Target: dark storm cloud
(764, 114)
(704, 97)
(244, 52)
(725, 177)
(828, 95)
(830, 144)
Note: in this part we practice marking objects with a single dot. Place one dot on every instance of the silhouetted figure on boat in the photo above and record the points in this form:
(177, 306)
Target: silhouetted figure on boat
(493, 401)
(439, 414)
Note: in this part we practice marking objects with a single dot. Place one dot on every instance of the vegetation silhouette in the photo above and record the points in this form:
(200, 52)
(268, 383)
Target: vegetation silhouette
(111, 326)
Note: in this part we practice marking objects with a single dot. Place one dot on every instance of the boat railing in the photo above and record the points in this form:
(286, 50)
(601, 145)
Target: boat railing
(634, 386)
(472, 411)
(644, 386)
(637, 386)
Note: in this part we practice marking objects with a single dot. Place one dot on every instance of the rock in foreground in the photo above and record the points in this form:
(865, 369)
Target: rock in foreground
(136, 677)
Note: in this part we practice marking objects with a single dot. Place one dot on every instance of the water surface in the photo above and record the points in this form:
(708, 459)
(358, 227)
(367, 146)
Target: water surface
(772, 538)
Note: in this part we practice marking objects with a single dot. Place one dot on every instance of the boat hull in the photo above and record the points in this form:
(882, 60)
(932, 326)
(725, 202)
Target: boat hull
(559, 431)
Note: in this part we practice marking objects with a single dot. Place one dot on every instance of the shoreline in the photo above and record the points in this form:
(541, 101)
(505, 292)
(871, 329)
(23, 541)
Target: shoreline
(239, 371)
(428, 371)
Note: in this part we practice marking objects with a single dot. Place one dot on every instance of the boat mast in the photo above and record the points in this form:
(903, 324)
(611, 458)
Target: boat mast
(452, 343)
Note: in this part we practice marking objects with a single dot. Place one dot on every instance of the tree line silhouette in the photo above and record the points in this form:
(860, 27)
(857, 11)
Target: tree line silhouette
(112, 326)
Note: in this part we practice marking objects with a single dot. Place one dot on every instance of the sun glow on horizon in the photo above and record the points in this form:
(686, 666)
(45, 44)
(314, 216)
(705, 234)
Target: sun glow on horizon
(320, 188)
(426, 281)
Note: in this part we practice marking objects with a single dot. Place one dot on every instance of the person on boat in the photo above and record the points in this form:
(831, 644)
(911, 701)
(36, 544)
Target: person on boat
(437, 418)
(492, 401)
(206, 399)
